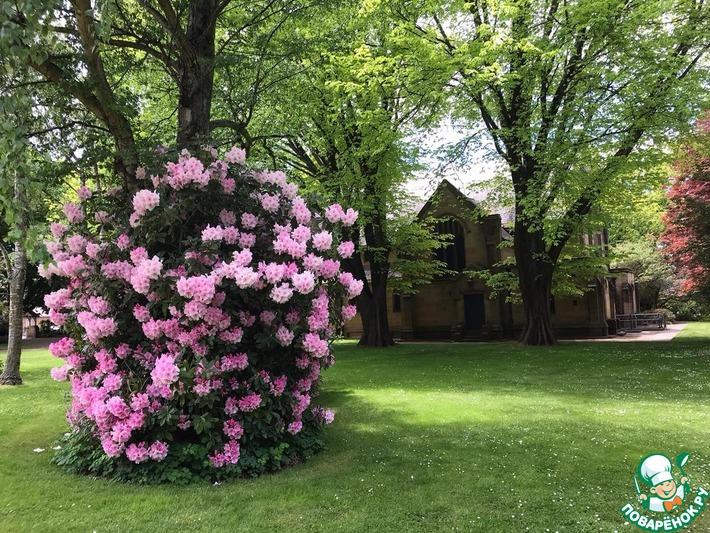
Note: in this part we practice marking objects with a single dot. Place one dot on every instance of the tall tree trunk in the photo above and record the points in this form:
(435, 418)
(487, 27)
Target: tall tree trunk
(197, 74)
(372, 305)
(11, 372)
(535, 270)
(372, 302)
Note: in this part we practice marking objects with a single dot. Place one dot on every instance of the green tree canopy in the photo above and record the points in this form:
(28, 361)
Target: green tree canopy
(574, 96)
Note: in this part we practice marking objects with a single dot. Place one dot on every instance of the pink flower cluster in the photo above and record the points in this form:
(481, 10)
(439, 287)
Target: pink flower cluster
(226, 315)
(145, 201)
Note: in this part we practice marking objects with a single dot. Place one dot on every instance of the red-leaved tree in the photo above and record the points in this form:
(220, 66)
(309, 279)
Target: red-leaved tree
(687, 236)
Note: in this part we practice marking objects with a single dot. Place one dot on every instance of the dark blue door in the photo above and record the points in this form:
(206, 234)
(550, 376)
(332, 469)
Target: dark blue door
(474, 311)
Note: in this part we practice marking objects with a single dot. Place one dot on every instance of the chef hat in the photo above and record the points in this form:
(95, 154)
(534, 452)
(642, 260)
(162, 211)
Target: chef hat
(656, 469)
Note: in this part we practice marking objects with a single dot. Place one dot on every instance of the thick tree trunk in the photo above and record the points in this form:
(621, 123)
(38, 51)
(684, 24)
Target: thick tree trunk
(372, 306)
(11, 372)
(197, 75)
(535, 270)
(372, 302)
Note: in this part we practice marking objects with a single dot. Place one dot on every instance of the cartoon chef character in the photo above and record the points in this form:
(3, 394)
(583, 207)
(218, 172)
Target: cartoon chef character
(666, 494)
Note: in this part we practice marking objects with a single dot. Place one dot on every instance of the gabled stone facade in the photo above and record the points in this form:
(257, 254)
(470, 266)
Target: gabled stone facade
(459, 307)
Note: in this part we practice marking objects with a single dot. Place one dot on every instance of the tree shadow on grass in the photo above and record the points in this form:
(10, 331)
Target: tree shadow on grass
(654, 371)
(399, 460)
(559, 471)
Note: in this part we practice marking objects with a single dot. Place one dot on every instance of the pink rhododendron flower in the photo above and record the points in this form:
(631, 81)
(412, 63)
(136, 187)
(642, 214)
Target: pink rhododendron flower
(281, 293)
(274, 272)
(329, 268)
(303, 282)
(144, 201)
(60, 373)
(295, 427)
(233, 429)
(349, 217)
(137, 453)
(234, 362)
(245, 277)
(195, 310)
(346, 249)
(312, 343)
(200, 288)
(84, 193)
(212, 233)
(334, 213)
(355, 288)
(58, 319)
(228, 218)
(267, 317)
(62, 348)
(98, 305)
(249, 402)
(165, 371)
(300, 210)
(348, 312)
(71, 266)
(249, 220)
(301, 233)
(289, 190)
(96, 328)
(73, 212)
(118, 407)
(145, 272)
(322, 240)
(123, 241)
(138, 255)
(242, 258)
(76, 244)
(230, 234)
(235, 156)
(111, 448)
(284, 336)
(141, 313)
(92, 250)
(247, 240)
(158, 451)
(270, 202)
(186, 171)
(58, 230)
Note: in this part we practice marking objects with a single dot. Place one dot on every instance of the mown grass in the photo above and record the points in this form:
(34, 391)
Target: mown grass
(483, 437)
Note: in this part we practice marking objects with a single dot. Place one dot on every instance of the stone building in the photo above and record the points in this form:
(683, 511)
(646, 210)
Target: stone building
(460, 307)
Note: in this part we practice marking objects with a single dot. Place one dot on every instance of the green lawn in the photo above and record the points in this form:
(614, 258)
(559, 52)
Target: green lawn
(483, 437)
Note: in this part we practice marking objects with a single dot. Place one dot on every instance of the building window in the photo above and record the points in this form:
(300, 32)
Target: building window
(396, 303)
(454, 254)
(492, 254)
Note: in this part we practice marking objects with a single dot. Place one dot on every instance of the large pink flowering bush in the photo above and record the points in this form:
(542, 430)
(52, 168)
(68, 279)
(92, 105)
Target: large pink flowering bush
(198, 322)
